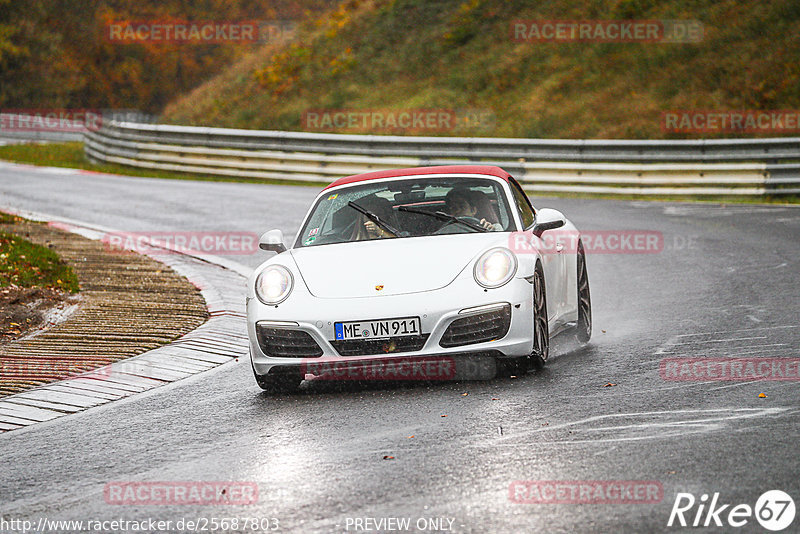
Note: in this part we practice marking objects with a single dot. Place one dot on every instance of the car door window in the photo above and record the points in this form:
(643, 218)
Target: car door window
(523, 205)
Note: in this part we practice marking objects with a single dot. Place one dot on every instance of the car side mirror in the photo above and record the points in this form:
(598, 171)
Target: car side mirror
(548, 219)
(272, 240)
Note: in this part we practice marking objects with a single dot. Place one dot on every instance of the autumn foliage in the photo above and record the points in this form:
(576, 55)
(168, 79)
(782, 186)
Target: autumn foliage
(55, 53)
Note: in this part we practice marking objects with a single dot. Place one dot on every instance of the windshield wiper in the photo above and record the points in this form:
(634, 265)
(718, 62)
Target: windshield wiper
(374, 218)
(442, 216)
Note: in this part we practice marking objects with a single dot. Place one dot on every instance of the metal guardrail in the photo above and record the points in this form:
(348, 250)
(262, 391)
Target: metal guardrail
(696, 167)
(39, 137)
(59, 126)
(42, 136)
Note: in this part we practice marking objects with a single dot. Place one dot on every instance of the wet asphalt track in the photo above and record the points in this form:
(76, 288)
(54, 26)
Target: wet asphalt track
(725, 285)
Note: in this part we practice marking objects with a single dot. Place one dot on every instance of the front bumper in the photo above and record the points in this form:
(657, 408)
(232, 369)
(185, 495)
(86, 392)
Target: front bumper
(437, 310)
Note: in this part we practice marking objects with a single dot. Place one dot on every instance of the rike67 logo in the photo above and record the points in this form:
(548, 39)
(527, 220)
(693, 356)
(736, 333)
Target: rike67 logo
(774, 510)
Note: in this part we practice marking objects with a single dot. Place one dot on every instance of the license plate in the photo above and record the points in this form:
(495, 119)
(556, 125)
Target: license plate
(382, 328)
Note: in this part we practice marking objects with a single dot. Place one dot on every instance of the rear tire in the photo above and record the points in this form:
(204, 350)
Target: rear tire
(583, 329)
(541, 329)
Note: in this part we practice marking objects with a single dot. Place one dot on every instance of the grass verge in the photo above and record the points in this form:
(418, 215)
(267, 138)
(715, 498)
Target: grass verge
(24, 264)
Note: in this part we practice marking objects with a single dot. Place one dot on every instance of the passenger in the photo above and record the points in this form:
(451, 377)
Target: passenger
(484, 208)
(460, 203)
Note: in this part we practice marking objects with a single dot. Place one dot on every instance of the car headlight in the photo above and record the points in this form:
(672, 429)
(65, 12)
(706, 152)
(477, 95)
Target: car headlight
(495, 267)
(274, 284)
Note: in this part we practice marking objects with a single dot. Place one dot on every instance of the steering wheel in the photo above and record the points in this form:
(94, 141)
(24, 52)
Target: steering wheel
(448, 227)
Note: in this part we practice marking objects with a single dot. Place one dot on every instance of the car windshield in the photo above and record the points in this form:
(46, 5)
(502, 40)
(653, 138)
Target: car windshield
(407, 208)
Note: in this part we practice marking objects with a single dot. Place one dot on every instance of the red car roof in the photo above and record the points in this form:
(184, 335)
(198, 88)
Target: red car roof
(443, 169)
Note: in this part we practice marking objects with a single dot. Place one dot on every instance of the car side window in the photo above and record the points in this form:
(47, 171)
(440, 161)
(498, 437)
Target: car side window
(523, 205)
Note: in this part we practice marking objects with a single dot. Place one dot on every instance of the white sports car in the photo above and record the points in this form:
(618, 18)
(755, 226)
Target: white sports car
(409, 273)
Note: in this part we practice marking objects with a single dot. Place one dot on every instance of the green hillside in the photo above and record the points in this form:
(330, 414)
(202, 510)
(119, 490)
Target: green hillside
(459, 55)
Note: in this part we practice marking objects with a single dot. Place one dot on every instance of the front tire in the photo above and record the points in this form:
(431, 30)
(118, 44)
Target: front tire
(541, 329)
(278, 383)
(583, 329)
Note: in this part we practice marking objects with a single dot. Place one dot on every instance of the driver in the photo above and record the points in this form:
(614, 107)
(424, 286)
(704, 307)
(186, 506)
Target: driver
(365, 229)
(458, 202)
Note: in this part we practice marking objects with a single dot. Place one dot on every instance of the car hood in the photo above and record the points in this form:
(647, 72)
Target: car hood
(398, 266)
